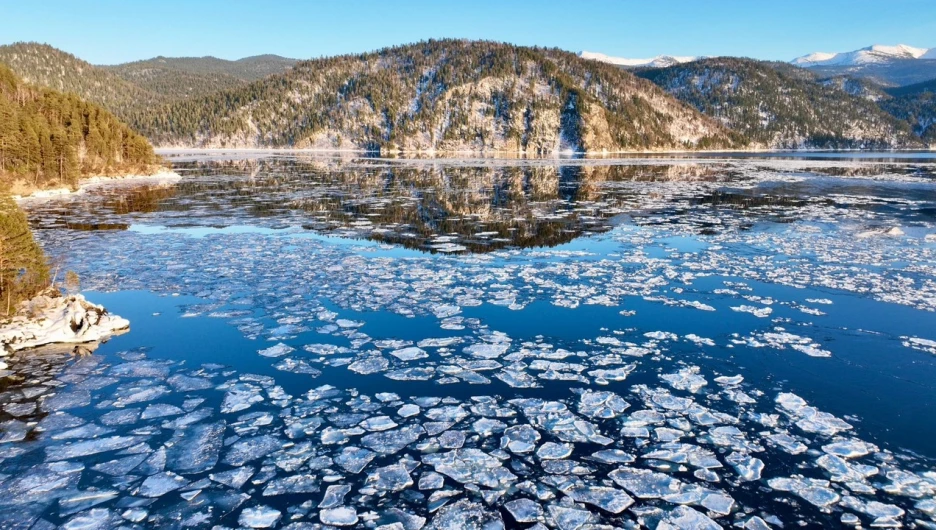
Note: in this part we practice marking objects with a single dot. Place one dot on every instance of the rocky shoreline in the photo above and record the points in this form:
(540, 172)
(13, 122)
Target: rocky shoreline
(50, 319)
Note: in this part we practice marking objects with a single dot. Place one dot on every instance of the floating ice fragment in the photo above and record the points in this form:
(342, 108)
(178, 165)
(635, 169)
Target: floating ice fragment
(701, 341)
(748, 467)
(354, 459)
(160, 410)
(240, 396)
(729, 380)
(487, 426)
(297, 366)
(661, 335)
(524, 510)
(756, 523)
(185, 383)
(468, 465)
(278, 350)
(410, 354)
(390, 442)
(378, 423)
(340, 516)
(452, 439)
(423, 373)
(390, 478)
(916, 343)
(853, 448)
(760, 312)
(645, 484)
(601, 404)
(234, 478)
(814, 491)
(291, 485)
(517, 379)
(370, 364)
(686, 518)
(571, 518)
(686, 379)
(90, 447)
(259, 517)
(161, 483)
(612, 456)
(467, 515)
(248, 449)
(608, 499)
(96, 518)
(196, 448)
(520, 439)
(409, 410)
(554, 451)
(431, 481)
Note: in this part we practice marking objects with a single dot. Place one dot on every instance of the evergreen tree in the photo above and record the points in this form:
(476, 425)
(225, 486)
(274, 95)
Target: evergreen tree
(24, 270)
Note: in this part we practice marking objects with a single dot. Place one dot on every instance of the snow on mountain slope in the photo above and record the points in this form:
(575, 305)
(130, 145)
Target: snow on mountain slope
(660, 61)
(871, 55)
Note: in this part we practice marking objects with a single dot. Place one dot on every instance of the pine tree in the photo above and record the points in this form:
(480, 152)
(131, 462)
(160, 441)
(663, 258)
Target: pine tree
(24, 270)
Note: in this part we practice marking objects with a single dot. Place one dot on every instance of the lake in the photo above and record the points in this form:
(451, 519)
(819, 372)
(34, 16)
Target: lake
(694, 341)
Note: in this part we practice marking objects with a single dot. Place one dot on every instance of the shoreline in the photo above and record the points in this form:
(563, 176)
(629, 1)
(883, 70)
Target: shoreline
(577, 159)
(162, 176)
(515, 155)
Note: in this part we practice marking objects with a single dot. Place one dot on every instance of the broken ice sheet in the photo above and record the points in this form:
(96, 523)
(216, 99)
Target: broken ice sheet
(554, 440)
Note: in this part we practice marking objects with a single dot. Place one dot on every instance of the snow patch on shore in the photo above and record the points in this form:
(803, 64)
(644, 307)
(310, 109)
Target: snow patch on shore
(164, 176)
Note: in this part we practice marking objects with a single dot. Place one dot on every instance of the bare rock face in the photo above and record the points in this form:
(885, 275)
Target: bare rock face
(58, 320)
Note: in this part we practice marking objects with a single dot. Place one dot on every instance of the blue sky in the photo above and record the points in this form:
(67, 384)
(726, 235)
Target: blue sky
(107, 32)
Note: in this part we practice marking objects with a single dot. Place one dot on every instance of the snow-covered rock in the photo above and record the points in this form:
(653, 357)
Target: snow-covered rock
(57, 320)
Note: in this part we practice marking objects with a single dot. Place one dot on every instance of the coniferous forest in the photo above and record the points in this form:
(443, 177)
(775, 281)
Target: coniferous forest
(50, 138)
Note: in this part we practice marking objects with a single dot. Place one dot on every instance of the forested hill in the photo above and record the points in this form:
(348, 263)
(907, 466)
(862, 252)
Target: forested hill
(780, 106)
(447, 95)
(183, 77)
(246, 69)
(129, 88)
(50, 138)
(43, 65)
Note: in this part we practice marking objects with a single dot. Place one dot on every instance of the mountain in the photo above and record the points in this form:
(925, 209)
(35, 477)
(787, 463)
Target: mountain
(128, 88)
(445, 95)
(184, 77)
(50, 138)
(888, 65)
(780, 106)
(660, 61)
(43, 65)
(876, 54)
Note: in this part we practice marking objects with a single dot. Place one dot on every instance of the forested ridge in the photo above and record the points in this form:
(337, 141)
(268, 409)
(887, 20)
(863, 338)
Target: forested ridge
(780, 106)
(50, 138)
(45, 66)
(478, 96)
(447, 95)
(184, 77)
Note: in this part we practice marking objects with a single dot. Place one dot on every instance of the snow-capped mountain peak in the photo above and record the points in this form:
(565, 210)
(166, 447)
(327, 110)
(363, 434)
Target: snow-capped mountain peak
(876, 54)
(658, 61)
